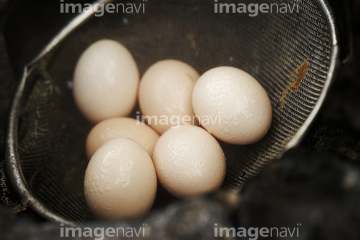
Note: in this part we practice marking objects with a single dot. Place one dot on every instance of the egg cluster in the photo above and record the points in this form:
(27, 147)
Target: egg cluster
(127, 156)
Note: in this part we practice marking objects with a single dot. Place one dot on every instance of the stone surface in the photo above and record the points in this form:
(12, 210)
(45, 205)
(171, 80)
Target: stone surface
(191, 219)
(316, 192)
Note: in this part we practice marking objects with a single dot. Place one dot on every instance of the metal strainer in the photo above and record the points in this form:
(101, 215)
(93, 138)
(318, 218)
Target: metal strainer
(46, 157)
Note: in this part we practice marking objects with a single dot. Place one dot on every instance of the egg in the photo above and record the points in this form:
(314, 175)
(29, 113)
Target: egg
(120, 181)
(106, 81)
(189, 161)
(232, 105)
(121, 127)
(165, 94)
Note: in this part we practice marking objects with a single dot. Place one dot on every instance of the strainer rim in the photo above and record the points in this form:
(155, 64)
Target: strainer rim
(12, 160)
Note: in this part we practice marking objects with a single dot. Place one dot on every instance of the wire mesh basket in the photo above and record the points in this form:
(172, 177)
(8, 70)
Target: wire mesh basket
(293, 55)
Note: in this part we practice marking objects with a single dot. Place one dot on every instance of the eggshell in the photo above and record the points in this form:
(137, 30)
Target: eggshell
(120, 180)
(232, 105)
(165, 91)
(122, 127)
(189, 161)
(106, 81)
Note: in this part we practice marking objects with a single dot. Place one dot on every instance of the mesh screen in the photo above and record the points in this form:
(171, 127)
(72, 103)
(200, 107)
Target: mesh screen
(52, 132)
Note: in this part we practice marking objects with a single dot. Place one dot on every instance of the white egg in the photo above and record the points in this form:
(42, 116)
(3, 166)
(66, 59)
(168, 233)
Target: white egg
(120, 180)
(122, 127)
(189, 161)
(106, 81)
(232, 105)
(165, 94)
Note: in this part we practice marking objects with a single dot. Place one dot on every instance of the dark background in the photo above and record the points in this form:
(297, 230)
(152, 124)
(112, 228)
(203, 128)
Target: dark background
(317, 184)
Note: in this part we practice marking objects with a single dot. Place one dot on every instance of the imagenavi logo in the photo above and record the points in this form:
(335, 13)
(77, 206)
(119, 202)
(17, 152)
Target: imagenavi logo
(254, 233)
(253, 9)
(101, 8)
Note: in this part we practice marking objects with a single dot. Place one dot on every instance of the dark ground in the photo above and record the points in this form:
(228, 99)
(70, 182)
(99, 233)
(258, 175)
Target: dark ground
(317, 184)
